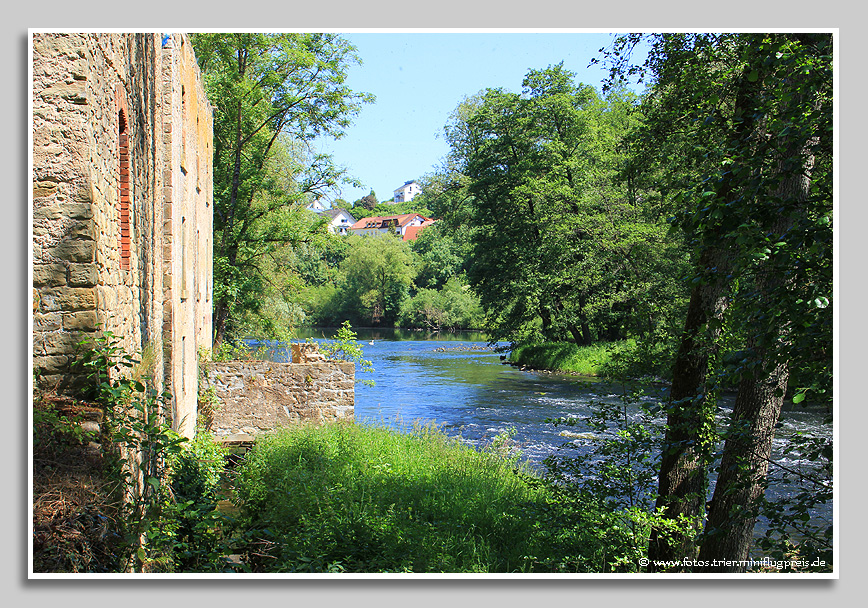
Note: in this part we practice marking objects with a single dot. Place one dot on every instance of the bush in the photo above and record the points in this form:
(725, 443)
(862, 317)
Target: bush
(148, 495)
(454, 306)
(566, 356)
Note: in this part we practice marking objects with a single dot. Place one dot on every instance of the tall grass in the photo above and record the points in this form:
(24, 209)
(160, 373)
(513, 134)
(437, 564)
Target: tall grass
(356, 498)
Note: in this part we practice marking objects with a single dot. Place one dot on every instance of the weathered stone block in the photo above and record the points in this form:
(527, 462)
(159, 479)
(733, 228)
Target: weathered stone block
(79, 211)
(83, 274)
(48, 212)
(81, 230)
(41, 189)
(49, 274)
(38, 343)
(75, 91)
(51, 364)
(75, 251)
(61, 342)
(83, 196)
(85, 320)
(48, 321)
(68, 299)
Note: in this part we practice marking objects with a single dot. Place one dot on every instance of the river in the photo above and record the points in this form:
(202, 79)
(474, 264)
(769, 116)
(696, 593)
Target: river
(455, 381)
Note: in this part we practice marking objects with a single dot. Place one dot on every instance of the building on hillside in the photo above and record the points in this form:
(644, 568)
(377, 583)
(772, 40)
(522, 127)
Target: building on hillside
(340, 220)
(316, 206)
(407, 226)
(122, 206)
(405, 193)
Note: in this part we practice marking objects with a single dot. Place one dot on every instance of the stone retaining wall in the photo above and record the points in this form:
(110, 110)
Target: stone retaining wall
(259, 396)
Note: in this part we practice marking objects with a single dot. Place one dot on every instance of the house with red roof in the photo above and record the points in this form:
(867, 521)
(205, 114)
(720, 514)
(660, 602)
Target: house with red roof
(407, 225)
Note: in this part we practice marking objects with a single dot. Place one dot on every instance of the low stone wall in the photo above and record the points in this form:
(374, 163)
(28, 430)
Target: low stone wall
(259, 396)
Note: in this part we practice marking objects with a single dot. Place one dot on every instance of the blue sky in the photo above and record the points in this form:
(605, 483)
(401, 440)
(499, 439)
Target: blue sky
(419, 79)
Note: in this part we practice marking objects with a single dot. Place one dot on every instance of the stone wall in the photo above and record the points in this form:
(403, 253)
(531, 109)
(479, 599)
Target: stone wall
(258, 396)
(122, 170)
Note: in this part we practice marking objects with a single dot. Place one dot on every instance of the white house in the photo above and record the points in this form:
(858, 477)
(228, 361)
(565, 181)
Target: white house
(340, 220)
(316, 206)
(405, 193)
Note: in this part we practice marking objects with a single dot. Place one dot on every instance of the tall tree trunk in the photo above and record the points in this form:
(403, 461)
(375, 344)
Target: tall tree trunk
(221, 314)
(743, 469)
(577, 335)
(683, 478)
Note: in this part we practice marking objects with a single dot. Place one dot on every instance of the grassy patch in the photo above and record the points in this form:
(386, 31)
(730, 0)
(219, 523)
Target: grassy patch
(593, 360)
(355, 498)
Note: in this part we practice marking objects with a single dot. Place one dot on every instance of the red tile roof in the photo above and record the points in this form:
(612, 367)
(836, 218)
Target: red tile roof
(385, 221)
(411, 233)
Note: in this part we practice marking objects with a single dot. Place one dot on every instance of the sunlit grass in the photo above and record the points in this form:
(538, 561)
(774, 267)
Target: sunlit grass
(592, 360)
(356, 498)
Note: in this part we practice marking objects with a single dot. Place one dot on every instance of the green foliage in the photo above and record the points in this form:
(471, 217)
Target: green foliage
(239, 351)
(346, 348)
(564, 245)
(374, 280)
(602, 359)
(167, 485)
(360, 211)
(139, 439)
(352, 498)
(191, 535)
(56, 431)
(793, 528)
(368, 202)
(614, 468)
(738, 129)
(440, 255)
(454, 306)
(274, 94)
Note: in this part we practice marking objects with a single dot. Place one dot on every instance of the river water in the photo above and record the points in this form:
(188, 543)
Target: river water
(457, 382)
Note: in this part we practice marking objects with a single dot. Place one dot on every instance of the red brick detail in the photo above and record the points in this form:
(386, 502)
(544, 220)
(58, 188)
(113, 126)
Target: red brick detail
(123, 191)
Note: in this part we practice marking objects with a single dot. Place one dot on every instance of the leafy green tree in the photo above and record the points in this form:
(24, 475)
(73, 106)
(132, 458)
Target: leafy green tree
(747, 118)
(453, 306)
(369, 201)
(384, 209)
(273, 93)
(440, 255)
(375, 280)
(560, 247)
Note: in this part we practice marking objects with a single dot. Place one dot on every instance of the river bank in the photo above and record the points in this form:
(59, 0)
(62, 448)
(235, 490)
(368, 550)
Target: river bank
(621, 359)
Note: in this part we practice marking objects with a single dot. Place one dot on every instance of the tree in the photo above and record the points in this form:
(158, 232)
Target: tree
(793, 74)
(377, 275)
(369, 201)
(272, 92)
(560, 246)
(746, 118)
(440, 255)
